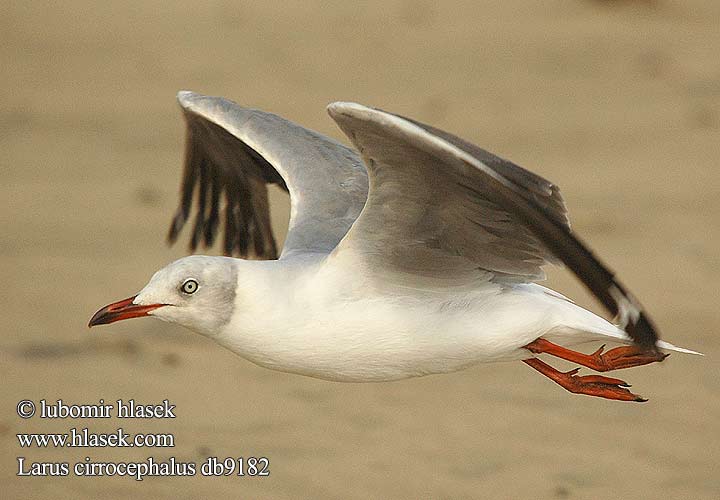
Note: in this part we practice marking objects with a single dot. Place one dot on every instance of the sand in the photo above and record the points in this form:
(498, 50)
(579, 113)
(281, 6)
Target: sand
(616, 101)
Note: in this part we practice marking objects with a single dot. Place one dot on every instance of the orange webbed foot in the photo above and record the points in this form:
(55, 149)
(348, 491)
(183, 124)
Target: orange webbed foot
(590, 385)
(614, 359)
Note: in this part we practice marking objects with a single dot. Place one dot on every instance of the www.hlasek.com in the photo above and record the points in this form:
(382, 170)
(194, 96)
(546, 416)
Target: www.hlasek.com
(85, 438)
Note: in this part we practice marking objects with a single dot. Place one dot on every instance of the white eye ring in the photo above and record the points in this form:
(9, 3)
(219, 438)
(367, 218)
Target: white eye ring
(189, 286)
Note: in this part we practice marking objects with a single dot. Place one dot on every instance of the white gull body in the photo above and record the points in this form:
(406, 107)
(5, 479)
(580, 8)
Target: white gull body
(319, 319)
(420, 259)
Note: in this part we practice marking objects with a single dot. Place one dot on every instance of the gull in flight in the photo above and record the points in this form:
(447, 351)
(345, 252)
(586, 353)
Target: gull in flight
(416, 254)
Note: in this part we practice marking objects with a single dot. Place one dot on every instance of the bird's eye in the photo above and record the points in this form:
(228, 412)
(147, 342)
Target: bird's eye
(189, 286)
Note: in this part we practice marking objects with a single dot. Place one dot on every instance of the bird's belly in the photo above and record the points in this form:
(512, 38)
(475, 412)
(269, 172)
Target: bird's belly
(375, 342)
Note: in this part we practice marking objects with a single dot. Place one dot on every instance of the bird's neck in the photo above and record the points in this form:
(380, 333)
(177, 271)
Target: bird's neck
(267, 289)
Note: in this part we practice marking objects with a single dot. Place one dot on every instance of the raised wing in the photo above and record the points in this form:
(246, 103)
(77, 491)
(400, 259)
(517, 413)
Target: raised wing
(233, 153)
(444, 213)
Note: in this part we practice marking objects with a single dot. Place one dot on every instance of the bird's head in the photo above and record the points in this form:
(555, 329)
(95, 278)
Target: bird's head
(197, 292)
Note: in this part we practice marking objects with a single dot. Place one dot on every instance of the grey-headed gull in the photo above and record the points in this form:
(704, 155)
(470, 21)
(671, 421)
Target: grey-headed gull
(416, 254)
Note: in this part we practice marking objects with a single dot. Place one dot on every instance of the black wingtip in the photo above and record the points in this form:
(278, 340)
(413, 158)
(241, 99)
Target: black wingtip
(176, 225)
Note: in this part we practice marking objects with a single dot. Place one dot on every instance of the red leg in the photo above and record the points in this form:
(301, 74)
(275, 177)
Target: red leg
(591, 385)
(614, 359)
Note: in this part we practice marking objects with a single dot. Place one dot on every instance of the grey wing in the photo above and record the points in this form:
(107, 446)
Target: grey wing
(444, 213)
(233, 153)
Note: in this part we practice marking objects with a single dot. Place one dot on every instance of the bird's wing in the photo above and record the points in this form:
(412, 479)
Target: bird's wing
(234, 153)
(444, 213)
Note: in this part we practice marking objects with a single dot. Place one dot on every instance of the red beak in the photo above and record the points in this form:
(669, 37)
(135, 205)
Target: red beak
(124, 309)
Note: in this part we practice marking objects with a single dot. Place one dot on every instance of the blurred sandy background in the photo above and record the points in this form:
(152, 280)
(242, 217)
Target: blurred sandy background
(616, 101)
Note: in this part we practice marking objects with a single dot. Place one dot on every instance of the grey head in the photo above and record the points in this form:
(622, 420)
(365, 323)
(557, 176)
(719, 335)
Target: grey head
(197, 292)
